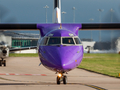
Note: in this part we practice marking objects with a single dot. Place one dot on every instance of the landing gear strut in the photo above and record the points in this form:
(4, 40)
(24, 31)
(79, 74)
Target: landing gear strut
(3, 62)
(61, 78)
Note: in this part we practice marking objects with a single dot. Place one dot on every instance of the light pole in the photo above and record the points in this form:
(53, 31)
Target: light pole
(111, 10)
(63, 15)
(91, 19)
(46, 7)
(100, 10)
(73, 14)
(0, 16)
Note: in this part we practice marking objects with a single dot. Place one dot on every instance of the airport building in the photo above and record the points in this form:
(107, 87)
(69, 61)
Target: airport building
(22, 39)
(20, 42)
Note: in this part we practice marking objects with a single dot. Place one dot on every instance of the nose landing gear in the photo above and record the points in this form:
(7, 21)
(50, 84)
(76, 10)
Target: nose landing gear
(61, 78)
(3, 62)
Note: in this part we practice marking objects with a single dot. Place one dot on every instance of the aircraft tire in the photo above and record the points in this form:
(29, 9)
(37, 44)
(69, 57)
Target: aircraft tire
(0, 63)
(58, 80)
(4, 63)
(64, 79)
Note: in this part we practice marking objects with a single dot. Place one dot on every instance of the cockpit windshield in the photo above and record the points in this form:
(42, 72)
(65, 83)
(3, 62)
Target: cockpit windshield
(60, 41)
(54, 40)
(67, 41)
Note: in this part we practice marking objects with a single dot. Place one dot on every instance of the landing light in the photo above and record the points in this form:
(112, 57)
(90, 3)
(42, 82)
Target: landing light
(70, 34)
(50, 34)
(59, 75)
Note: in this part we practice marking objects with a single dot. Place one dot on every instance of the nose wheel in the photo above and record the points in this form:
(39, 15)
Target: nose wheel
(61, 78)
(3, 62)
(65, 80)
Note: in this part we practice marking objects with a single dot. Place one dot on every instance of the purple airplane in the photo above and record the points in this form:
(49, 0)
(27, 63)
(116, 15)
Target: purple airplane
(60, 48)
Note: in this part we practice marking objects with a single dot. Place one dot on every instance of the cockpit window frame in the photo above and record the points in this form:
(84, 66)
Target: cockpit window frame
(42, 43)
(79, 40)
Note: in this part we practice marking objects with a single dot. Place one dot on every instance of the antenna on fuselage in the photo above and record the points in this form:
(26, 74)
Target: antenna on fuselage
(57, 11)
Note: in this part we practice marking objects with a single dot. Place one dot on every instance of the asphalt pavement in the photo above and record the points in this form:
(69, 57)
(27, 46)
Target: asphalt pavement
(24, 73)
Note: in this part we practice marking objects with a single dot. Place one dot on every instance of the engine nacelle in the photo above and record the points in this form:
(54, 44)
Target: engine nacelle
(4, 52)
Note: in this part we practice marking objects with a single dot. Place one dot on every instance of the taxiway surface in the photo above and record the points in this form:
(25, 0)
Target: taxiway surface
(31, 78)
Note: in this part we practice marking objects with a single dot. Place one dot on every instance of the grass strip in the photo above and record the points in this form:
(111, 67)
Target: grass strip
(107, 64)
(24, 55)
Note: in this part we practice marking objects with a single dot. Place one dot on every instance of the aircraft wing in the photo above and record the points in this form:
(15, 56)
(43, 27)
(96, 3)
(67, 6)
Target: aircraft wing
(23, 48)
(98, 26)
(84, 26)
(18, 26)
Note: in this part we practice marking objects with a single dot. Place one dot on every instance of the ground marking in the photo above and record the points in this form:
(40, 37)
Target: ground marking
(15, 74)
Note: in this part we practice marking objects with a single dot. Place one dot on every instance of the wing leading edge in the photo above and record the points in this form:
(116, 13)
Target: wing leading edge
(24, 48)
(84, 26)
(18, 26)
(98, 26)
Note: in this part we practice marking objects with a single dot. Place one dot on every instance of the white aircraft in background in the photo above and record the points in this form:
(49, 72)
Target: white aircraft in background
(4, 52)
(5, 47)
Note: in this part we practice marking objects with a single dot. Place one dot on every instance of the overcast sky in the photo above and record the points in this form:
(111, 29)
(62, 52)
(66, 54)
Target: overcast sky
(32, 11)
